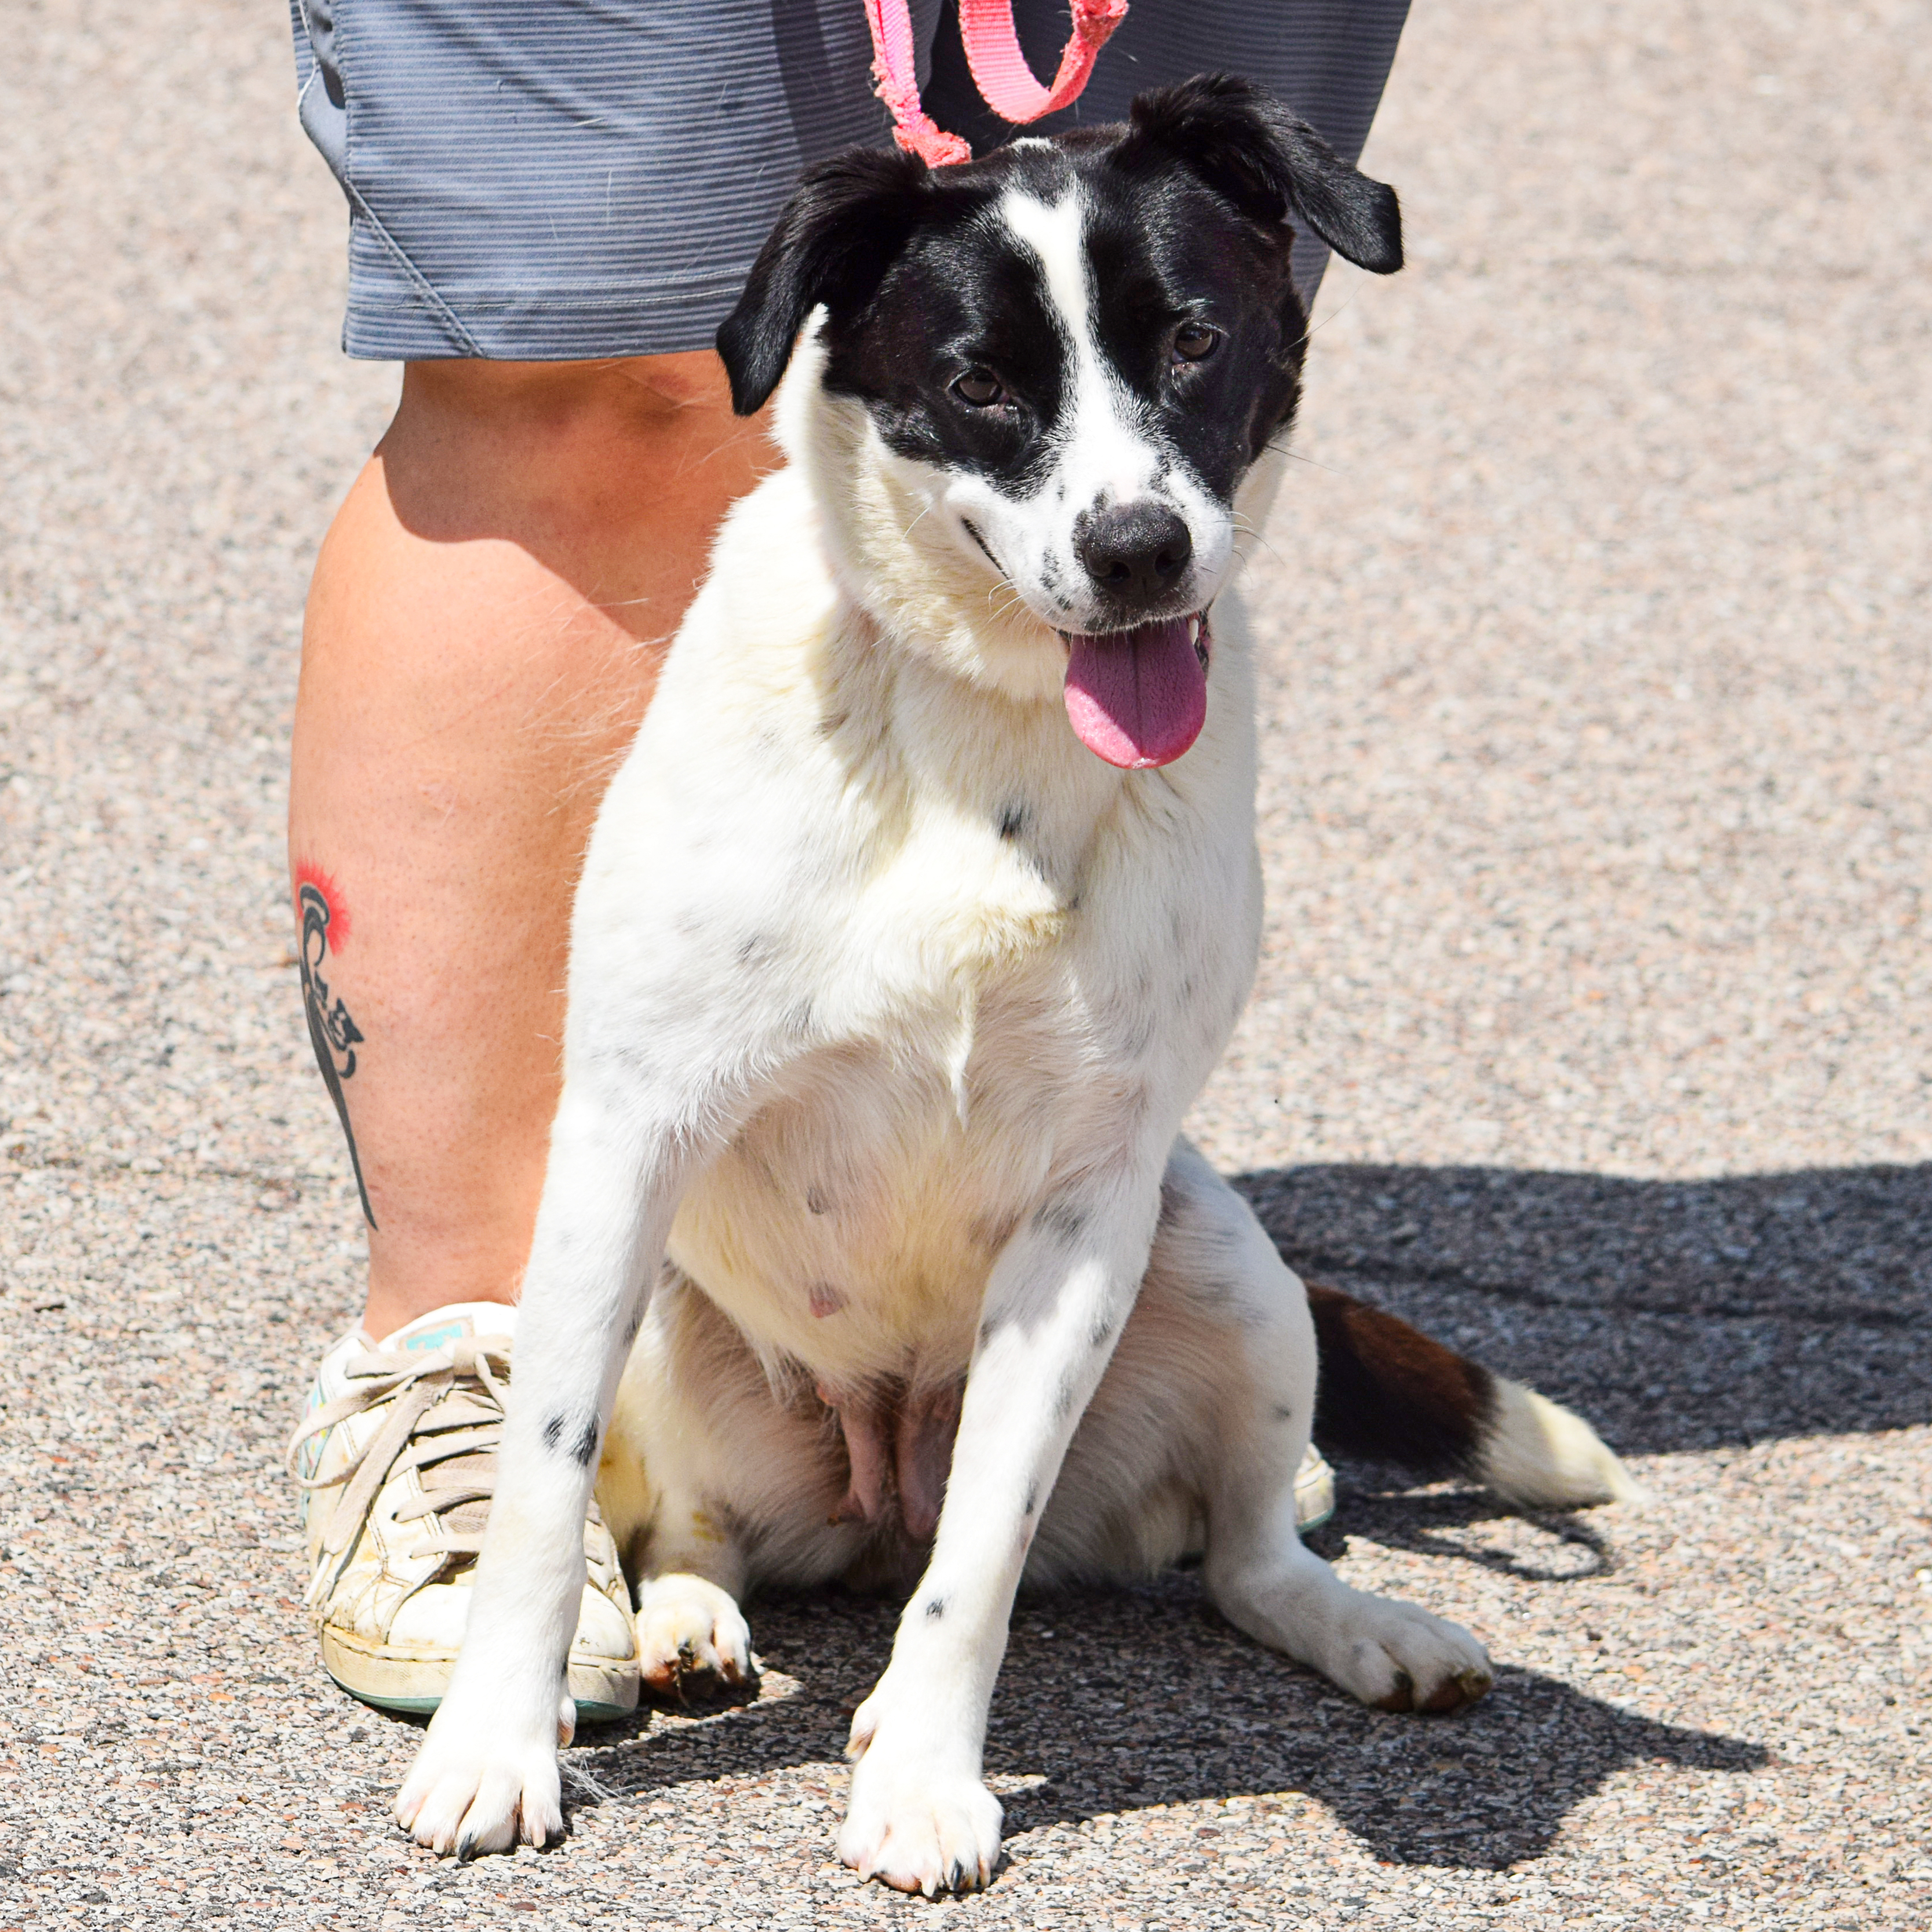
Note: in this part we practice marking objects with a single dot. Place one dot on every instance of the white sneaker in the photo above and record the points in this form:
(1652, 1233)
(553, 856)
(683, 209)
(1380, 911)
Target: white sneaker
(397, 1459)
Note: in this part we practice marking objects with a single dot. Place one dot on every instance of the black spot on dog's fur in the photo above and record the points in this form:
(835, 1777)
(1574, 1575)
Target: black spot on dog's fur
(1013, 822)
(935, 1609)
(585, 1446)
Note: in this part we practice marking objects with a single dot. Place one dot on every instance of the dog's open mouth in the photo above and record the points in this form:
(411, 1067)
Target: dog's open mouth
(1139, 698)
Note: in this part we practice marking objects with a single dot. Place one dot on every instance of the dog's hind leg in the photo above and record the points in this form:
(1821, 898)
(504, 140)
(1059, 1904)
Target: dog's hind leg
(712, 1480)
(1388, 1654)
(692, 1637)
(661, 1484)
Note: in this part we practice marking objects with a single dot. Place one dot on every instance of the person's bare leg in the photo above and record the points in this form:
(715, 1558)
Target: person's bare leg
(487, 617)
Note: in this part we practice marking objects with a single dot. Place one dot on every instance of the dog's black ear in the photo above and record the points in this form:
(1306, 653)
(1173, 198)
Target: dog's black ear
(847, 220)
(1268, 162)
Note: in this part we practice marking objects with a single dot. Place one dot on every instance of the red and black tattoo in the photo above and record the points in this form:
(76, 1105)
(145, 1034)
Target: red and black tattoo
(333, 1034)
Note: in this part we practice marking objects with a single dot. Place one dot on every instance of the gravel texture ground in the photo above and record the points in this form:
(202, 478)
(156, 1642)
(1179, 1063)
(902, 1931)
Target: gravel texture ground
(1593, 1033)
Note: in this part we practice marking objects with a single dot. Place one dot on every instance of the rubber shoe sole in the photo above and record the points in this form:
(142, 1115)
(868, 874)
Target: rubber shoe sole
(393, 1677)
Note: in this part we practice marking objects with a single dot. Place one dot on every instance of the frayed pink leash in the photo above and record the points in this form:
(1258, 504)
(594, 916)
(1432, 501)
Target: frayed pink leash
(1000, 70)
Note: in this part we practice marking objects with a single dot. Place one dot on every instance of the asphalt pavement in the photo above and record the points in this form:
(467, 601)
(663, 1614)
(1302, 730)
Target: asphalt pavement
(1594, 1033)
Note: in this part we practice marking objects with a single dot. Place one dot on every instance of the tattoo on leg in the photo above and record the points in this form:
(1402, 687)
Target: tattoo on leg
(333, 1034)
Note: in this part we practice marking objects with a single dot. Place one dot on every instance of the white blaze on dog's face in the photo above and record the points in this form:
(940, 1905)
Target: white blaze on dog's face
(1039, 381)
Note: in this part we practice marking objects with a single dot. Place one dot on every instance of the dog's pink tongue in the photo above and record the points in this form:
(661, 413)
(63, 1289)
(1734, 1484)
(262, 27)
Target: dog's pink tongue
(1137, 697)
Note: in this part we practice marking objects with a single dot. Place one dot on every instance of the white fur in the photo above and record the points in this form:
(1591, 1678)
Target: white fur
(1537, 1455)
(886, 1097)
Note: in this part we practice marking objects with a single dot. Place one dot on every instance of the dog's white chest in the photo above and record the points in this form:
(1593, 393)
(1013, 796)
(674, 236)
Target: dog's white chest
(974, 1041)
(953, 956)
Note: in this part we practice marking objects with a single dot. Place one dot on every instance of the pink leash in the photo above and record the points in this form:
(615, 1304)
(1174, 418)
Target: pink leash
(1000, 70)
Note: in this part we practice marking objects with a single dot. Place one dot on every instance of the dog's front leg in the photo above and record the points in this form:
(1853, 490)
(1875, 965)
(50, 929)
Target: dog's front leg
(487, 1773)
(921, 1817)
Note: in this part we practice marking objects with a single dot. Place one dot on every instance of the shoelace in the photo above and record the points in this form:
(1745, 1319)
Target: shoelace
(466, 1377)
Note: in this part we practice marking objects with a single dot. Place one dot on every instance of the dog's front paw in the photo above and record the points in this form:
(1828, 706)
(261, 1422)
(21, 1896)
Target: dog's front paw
(480, 1783)
(692, 1637)
(916, 1821)
(1398, 1658)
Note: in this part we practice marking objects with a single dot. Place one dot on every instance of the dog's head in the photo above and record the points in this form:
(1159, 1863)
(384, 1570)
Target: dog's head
(1040, 381)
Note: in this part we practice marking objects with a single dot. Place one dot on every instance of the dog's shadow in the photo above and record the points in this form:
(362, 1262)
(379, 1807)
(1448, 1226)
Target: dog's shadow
(1675, 1315)
(1111, 1700)
(1539, 1547)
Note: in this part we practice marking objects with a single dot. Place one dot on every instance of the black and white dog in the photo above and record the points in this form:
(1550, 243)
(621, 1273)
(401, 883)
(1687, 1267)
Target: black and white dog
(918, 917)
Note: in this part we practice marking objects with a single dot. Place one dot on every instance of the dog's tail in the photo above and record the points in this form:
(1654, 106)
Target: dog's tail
(1388, 1392)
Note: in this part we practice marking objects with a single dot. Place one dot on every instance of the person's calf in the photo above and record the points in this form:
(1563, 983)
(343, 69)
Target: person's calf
(483, 636)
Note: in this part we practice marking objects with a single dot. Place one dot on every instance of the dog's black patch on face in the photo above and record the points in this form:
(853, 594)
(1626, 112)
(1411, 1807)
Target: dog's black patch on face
(1012, 822)
(935, 1609)
(1168, 255)
(964, 297)
(1166, 252)
(1185, 243)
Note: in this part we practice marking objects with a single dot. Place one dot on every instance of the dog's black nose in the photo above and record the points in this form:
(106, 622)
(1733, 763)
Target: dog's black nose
(1134, 549)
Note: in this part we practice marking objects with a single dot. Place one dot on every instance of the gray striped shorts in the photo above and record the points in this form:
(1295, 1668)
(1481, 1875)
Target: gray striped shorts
(550, 180)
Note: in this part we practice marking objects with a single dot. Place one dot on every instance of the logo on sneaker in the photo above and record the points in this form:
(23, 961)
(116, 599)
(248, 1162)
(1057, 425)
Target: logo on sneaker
(434, 1338)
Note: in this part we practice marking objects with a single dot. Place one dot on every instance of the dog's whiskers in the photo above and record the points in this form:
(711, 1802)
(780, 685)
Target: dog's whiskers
(1252, 532)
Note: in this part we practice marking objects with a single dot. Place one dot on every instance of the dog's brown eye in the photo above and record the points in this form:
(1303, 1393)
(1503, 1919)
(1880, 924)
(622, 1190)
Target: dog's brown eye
(1195, 341)
(979, 389)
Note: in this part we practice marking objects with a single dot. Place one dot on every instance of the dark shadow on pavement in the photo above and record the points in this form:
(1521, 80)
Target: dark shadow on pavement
(1548, 1547)
(1113, 1700)
(1675, 1315)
